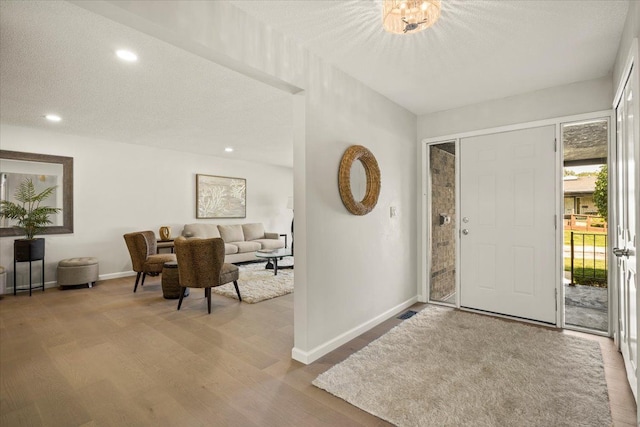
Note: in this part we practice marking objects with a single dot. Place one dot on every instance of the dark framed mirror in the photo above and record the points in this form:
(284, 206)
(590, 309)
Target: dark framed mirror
(47, 171)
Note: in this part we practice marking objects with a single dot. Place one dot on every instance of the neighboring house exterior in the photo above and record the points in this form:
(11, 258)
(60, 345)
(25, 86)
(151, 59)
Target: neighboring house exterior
(578, 195)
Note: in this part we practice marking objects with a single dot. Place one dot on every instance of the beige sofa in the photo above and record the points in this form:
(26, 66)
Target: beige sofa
(241, 241)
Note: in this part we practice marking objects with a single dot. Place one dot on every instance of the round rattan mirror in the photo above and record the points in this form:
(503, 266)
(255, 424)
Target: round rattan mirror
(372, 172)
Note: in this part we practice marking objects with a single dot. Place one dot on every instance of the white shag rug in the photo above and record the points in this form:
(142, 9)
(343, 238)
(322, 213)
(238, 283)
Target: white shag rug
(445, 367)
(258, 284)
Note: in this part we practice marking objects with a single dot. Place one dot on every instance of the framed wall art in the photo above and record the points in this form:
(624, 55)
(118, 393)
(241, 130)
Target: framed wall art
(220, 197)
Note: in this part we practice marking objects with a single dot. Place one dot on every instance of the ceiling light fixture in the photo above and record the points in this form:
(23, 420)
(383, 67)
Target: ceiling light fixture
(228, 149)
(126, 55)
(53, 117)
(409, 16)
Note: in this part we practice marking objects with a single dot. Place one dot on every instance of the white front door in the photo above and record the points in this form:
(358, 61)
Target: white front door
(508, 206)
(625, 211)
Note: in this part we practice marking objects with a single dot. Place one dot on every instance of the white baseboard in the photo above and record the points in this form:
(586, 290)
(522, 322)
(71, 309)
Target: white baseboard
(314, 354)
(116, 275)
(47, 285)
(53, 283)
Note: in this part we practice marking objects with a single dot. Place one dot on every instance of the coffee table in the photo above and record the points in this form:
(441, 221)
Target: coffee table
(274, 255)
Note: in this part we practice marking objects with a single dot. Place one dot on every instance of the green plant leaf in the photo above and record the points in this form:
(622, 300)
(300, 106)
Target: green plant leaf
(31, 217)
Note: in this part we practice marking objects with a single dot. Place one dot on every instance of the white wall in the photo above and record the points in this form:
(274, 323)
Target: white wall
(576, 98)
(630, 31)
(121, 187)
(359, 267)
(351, 272)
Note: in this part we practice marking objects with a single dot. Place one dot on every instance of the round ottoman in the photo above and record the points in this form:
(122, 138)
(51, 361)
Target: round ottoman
(171, 281)
(78, 271)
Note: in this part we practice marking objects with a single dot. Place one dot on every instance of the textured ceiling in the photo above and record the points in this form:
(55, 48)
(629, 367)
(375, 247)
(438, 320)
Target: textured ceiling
(477, 51)
(58, 58)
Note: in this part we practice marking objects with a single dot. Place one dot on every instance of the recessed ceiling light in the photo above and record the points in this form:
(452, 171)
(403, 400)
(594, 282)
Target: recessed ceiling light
(126, 55)
(228, 149)
(53, 117)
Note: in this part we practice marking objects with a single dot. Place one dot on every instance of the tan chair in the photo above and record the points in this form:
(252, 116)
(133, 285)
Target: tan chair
(201, 265)
(142, 247)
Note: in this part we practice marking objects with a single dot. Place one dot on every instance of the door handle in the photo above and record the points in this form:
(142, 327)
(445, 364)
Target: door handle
(465, 231)
(621, 252)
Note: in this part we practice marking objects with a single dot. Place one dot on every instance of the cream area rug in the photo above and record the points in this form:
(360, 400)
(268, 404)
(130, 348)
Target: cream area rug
(444, 367)
(258, 284)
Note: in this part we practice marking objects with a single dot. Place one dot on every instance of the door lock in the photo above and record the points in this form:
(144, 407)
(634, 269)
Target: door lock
(620, 252)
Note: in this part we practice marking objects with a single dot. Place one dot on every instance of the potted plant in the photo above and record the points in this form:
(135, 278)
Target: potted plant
(31, 217)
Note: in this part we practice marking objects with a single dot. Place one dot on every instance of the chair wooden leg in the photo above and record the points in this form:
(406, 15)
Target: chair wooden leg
(135, 288)
(208, 292)
(235, 283)
(182, 291)
(143, 276)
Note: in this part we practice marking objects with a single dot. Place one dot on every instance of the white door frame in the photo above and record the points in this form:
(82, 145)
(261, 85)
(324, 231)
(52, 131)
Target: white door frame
(633, 60)
(424, 197)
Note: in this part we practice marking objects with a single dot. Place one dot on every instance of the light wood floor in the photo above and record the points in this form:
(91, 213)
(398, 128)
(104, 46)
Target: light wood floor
(108, 357)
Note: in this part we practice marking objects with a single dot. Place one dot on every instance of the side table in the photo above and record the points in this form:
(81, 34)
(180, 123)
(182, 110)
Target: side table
(165, 244)
(171, 281)
(28, 251)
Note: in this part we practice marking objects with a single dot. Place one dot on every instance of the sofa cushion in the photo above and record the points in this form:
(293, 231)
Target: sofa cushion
(203, 231)
(247, 246)
(268, 235)
(270, 243)
(253, 231)
(230, 249)
(231, 233)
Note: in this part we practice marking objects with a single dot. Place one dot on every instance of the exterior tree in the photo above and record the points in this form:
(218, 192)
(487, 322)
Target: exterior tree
(600, 194)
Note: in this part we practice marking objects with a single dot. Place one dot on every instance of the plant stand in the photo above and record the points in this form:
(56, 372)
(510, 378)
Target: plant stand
(28, 251)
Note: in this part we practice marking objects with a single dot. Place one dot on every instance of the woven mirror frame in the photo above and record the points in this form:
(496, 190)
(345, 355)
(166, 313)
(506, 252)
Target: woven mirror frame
(372, 171)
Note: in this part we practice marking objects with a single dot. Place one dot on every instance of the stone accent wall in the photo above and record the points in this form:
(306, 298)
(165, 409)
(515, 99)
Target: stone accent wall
(443, 242)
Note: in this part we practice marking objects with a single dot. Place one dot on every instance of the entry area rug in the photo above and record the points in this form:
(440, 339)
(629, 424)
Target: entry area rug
(445, 367)
(258, 284)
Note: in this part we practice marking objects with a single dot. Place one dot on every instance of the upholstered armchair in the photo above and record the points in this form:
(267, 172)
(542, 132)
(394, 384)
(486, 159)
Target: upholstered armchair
(201, 265)
(142, 247)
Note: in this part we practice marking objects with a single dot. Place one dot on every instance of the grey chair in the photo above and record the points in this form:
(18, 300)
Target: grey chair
(201, 265)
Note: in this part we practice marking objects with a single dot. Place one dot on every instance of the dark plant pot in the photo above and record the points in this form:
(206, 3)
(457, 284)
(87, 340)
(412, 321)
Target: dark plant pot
(28, 250)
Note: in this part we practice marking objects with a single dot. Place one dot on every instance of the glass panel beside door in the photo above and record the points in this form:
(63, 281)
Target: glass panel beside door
(442, 262)
(585, 186)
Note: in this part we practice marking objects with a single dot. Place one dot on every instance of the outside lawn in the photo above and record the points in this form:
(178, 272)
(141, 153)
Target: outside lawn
(585, 275)
(593, 272)
(600, 238)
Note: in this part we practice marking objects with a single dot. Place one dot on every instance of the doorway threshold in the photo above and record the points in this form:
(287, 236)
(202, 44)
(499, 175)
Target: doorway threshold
(507, 317)
(577, 328)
